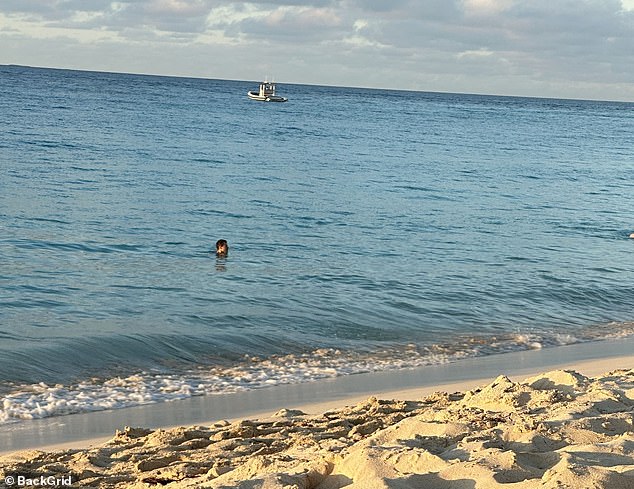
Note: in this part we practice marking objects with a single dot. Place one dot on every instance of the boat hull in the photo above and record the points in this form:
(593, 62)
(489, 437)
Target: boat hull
(266, 98)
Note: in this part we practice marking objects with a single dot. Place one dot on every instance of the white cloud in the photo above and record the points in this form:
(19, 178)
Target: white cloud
(627, 4)
(478, 53)
(476, 7)
(25, 28)
(302, 18)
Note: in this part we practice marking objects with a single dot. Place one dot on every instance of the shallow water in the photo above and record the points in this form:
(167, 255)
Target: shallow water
(368, 230)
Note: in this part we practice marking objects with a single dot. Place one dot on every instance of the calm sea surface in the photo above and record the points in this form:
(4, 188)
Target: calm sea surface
(368, 230)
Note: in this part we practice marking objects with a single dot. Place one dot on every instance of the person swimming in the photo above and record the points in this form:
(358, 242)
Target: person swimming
(222, 247)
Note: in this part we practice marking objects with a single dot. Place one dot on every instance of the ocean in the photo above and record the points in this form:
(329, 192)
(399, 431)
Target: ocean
(369, 230)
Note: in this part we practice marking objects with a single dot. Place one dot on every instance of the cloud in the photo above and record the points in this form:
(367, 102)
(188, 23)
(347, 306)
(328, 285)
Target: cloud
(509, 46)
(486, 7)
(478, 53)
(51, 10)
(293, 24)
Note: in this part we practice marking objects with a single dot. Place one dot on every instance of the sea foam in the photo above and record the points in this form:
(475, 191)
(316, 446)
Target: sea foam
(23, 402)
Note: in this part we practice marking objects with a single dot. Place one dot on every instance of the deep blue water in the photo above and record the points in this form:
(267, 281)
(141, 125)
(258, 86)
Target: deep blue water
(368, 229)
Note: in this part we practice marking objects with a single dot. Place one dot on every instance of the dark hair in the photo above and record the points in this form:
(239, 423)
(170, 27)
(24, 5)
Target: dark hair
(222, 242)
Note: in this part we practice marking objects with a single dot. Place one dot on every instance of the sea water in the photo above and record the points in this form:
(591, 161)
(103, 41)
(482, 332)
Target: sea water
(368, 230)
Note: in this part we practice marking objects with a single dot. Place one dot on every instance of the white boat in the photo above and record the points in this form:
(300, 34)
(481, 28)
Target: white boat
(266, 93)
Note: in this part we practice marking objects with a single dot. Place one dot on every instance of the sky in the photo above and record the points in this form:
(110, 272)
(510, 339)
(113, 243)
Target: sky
(544, 48)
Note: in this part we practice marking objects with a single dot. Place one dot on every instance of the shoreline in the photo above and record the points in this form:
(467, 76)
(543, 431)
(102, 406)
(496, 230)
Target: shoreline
(559, 428)
(88, 429)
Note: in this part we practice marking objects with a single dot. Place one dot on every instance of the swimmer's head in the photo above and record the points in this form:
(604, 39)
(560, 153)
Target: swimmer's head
(222, 248)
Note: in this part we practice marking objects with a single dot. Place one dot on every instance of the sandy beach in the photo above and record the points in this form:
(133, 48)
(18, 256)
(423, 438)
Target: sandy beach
(566, 428)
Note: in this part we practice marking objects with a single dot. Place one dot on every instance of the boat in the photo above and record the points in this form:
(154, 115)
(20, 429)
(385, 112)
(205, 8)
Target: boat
(266, 93)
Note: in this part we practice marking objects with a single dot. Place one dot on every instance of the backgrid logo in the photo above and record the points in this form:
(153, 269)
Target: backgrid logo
(42, 481)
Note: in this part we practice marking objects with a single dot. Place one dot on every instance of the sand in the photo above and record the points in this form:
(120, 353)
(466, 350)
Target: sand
(560, 429)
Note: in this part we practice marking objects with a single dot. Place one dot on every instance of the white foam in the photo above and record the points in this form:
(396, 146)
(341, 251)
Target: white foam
(42, 400)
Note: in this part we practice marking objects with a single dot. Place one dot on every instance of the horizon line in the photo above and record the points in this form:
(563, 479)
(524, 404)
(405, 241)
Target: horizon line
(191, 77)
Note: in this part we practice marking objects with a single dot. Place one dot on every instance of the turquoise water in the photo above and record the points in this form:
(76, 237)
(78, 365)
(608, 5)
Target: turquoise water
(368, 230)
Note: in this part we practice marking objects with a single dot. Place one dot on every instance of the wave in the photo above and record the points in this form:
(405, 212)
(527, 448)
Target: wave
(42, 400)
